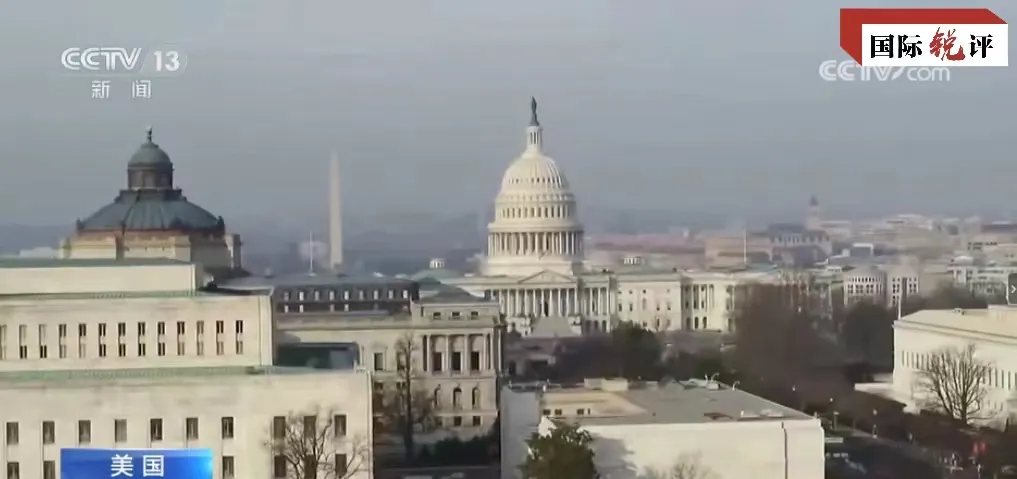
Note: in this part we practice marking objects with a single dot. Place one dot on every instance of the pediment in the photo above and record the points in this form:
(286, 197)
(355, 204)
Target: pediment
(547, 277)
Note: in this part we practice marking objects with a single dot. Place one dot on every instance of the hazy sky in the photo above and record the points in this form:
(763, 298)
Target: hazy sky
(646, 104)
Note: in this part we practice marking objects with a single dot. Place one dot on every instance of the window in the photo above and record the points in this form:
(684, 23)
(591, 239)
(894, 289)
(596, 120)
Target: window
(120, 430)
(82, 330)
(181, 328)
(457, 361)
(102, 330)
(227, 427)
(22, 338)
(436, 362)
(219, 348)
(84, 432)
(121, 329)
(310, 426)
(48, 469)
(379, 361)
(342, 465)
(200, 343)
(228, 467)
(239, 345)
(141, 350)
(457, 421)
(12, 433)
(155, 429)
(279, 466)
(456, 315)
(220, 327)
(160, 328)
(476, 421)
(48, 432)
(239, 326)
(42, 342)
(160, 348)
(474, 360)
(278, 427)
(102, 350)
(436, 315)
(122, 350)
(474, 315)
(191, 427)
(339, 425)
(13, 470)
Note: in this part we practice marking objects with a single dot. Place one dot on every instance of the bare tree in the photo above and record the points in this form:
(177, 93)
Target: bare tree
(315, 445)
(779, 331)
(953, 381)
(688, 466)
(402, 406)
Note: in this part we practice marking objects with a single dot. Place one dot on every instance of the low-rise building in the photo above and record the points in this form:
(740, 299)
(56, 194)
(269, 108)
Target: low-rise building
(338, 319)
(136, 353)
(640, 428)
(993, 333)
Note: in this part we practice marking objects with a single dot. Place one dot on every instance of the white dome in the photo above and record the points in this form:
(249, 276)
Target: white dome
(535, 225)
(533, 172)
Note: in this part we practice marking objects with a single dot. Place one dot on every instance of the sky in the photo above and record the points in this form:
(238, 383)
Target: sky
(650, 104)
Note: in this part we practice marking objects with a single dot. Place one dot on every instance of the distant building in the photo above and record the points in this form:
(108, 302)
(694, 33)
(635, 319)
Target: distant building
(790, 244)
(135, 353)
(982, 276)
(641, 429)
(151, 218)
(992, 331)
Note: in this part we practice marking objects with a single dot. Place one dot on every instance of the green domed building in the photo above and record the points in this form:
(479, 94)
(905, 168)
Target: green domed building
(151, 218)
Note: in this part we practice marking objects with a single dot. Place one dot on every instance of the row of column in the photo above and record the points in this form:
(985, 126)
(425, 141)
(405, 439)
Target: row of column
(562, 243)
(554, 302)
(445, 344)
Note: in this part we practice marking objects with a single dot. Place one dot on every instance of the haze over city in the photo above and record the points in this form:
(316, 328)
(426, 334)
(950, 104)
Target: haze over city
(709, 107)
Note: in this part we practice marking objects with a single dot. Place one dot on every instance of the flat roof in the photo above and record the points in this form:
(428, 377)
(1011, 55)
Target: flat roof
(86, 263)
(127, 295)
(671, 403)
(997, 320)
(13, 378)
(311, 280)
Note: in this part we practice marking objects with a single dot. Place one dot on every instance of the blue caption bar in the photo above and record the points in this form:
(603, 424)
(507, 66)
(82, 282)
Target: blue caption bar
(135, 463)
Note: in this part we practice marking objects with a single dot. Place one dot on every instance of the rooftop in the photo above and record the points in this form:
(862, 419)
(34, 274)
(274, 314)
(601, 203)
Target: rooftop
(208, 293)
(299, 280)
(63, 377)
(85, 263)
(997, 320)
(693, 401)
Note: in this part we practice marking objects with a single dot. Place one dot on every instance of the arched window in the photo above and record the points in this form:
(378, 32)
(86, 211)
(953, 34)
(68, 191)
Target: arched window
(457, 398)
(475, 400)
(437, 397)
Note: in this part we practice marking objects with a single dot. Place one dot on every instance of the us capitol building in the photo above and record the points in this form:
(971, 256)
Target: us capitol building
(535, 265)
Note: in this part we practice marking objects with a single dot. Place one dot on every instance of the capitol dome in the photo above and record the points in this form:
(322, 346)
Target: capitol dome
(151, 202)
(535, 225)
